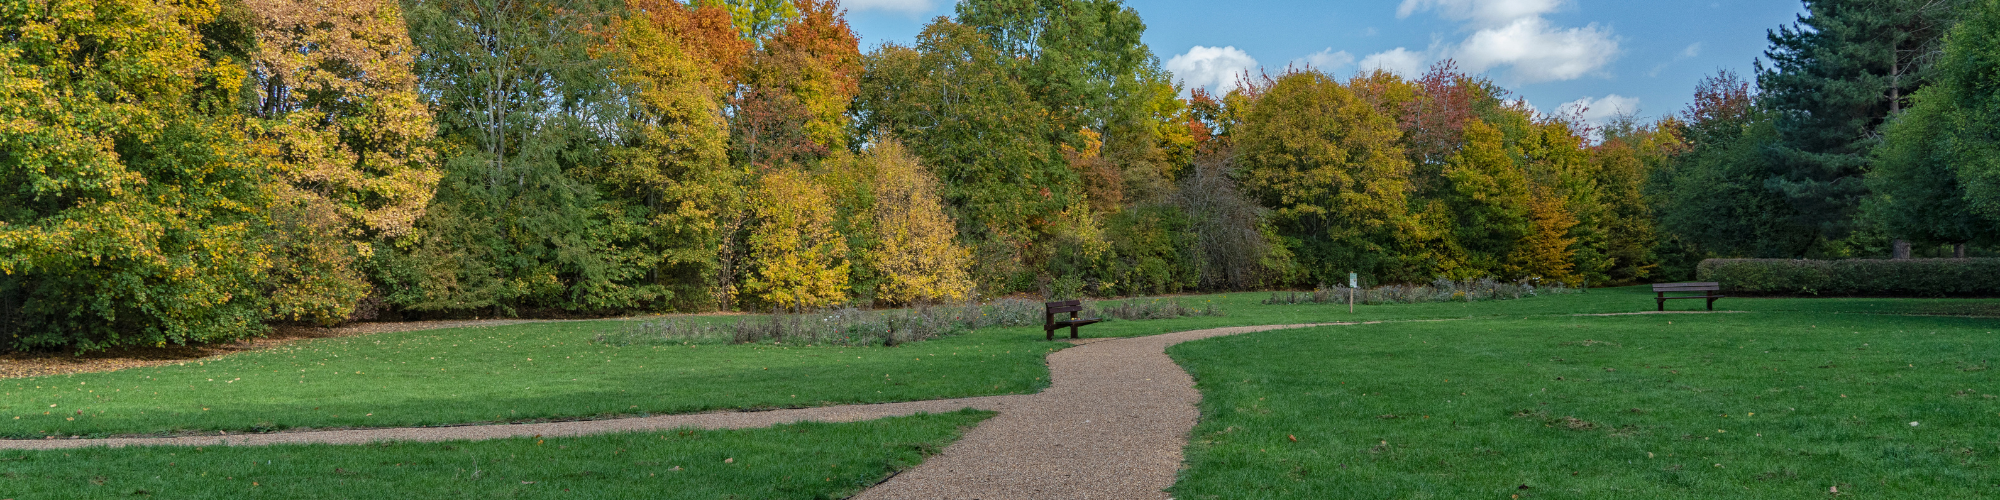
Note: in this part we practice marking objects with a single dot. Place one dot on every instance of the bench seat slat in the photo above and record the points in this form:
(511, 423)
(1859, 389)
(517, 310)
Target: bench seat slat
(1064, 309)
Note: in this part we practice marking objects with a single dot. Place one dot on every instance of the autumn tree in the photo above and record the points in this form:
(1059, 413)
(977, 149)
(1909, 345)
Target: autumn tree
(951, 100)
(799, 86)
(337, 112)
(669, 182)
(1328, 164)
(798, 261)
(132, 215)
(918, 256)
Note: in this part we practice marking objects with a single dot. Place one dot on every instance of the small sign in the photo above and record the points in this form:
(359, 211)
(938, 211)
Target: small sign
(1353, 280)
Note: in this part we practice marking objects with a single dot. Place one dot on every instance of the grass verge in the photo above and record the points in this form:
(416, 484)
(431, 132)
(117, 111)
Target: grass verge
(805, 460)
(1798, 398)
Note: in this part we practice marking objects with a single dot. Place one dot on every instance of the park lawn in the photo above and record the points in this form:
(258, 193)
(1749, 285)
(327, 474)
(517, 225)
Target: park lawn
(553, 371)
(1789, 400)
(804, 460)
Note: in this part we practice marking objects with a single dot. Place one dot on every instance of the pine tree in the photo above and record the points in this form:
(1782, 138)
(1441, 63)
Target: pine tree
(1836, 75)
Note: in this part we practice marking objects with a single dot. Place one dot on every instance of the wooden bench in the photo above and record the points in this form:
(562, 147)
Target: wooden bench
(1050, 324)
(1707, 290)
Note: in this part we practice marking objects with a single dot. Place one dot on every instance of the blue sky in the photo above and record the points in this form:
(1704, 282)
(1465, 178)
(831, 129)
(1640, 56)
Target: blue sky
(1631, 56)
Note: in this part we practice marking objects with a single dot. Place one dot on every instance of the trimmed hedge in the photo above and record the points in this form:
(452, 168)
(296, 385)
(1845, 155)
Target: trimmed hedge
(1855, 277)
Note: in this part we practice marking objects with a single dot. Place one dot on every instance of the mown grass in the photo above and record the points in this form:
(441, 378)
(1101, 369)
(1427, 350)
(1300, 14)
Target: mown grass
(544, 371)
(549, 371)
(805, 460)
(1797, 398)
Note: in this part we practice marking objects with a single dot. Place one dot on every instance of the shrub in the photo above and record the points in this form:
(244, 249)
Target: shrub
(855, 327)
(1442, 290)
(1864, 277)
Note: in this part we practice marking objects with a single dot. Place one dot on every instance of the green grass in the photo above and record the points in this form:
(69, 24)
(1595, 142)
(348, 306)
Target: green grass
(1791, 399)
(553, 371)
(544, 371)
(806, 460)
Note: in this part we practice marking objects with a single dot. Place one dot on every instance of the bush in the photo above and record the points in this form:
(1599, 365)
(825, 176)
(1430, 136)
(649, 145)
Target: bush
(855, 327)
(1855, 277)
(1441, 290)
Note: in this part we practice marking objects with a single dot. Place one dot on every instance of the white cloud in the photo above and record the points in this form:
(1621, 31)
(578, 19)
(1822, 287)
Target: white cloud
(1598, 111)
(1217, 69)
(906, 6)
(1485, 13)
(1403, 62)
(1325, 60)
(1691, 51)
(1537, 51)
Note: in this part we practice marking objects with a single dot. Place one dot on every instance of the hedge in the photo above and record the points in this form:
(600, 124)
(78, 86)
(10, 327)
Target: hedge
(1855, 277)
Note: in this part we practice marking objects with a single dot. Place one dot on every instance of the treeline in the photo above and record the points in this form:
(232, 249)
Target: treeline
(1871, 133)
(189, 171)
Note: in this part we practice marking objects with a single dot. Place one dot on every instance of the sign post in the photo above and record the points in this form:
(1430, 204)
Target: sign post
(1353, 282)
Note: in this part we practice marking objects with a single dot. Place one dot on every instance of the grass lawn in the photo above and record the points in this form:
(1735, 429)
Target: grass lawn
(543, 371)
(1791, 399)
(806, 460)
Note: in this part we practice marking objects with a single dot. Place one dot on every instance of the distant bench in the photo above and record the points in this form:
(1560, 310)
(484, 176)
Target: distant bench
(1050, 324)
(1707, 290)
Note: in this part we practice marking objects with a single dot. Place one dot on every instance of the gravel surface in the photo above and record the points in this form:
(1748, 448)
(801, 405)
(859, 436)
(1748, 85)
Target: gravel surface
(1111, 425)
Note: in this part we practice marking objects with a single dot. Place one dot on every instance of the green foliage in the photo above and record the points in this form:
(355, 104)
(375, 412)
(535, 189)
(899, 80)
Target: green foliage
(1970, 94)
(952, 100)
(1329, 166)
(1712, 198)
(1836, 76)
(517, 223)
(132, 213)
(1856, 277)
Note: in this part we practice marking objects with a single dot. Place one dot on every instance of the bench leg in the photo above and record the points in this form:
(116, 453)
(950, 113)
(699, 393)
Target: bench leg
(1051, 331)
(1662, 299)
(1072, 331)
(1711, 303)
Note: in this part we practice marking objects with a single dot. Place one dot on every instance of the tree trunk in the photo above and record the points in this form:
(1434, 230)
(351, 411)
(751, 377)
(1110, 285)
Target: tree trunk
(1900, 249)
(1958, 251)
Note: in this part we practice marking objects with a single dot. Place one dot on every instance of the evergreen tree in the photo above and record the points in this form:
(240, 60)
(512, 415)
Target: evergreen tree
(1836, 75)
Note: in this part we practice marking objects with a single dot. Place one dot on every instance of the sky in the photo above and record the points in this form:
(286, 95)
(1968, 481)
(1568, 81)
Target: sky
(1606, 56)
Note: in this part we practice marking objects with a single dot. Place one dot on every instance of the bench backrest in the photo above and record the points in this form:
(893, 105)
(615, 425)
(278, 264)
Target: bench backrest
(1687, 287)
(1063, 306)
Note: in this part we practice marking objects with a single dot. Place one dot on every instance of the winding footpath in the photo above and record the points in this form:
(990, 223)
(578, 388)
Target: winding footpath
(1111, 425)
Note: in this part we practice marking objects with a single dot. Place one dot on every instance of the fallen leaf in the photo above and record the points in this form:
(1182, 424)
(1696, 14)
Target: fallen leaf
(1296, 438)
(729, 460)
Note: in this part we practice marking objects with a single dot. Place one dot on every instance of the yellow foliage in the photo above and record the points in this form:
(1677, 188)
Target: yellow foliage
(800, 261)
(918, 256)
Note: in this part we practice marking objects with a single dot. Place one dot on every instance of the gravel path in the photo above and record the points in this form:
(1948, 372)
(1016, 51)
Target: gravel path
(1111, 425)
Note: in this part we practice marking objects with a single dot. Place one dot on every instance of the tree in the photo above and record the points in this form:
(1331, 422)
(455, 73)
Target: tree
(799, 261)
(1329, 166)
(524, 98)
(1712, 199)
(337, 112)
(1837, 74)
(800, 85)
(954, 104)
(670, 178)
(1971, 61)
(919, 257)
(1491, 203)
(131, 213)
